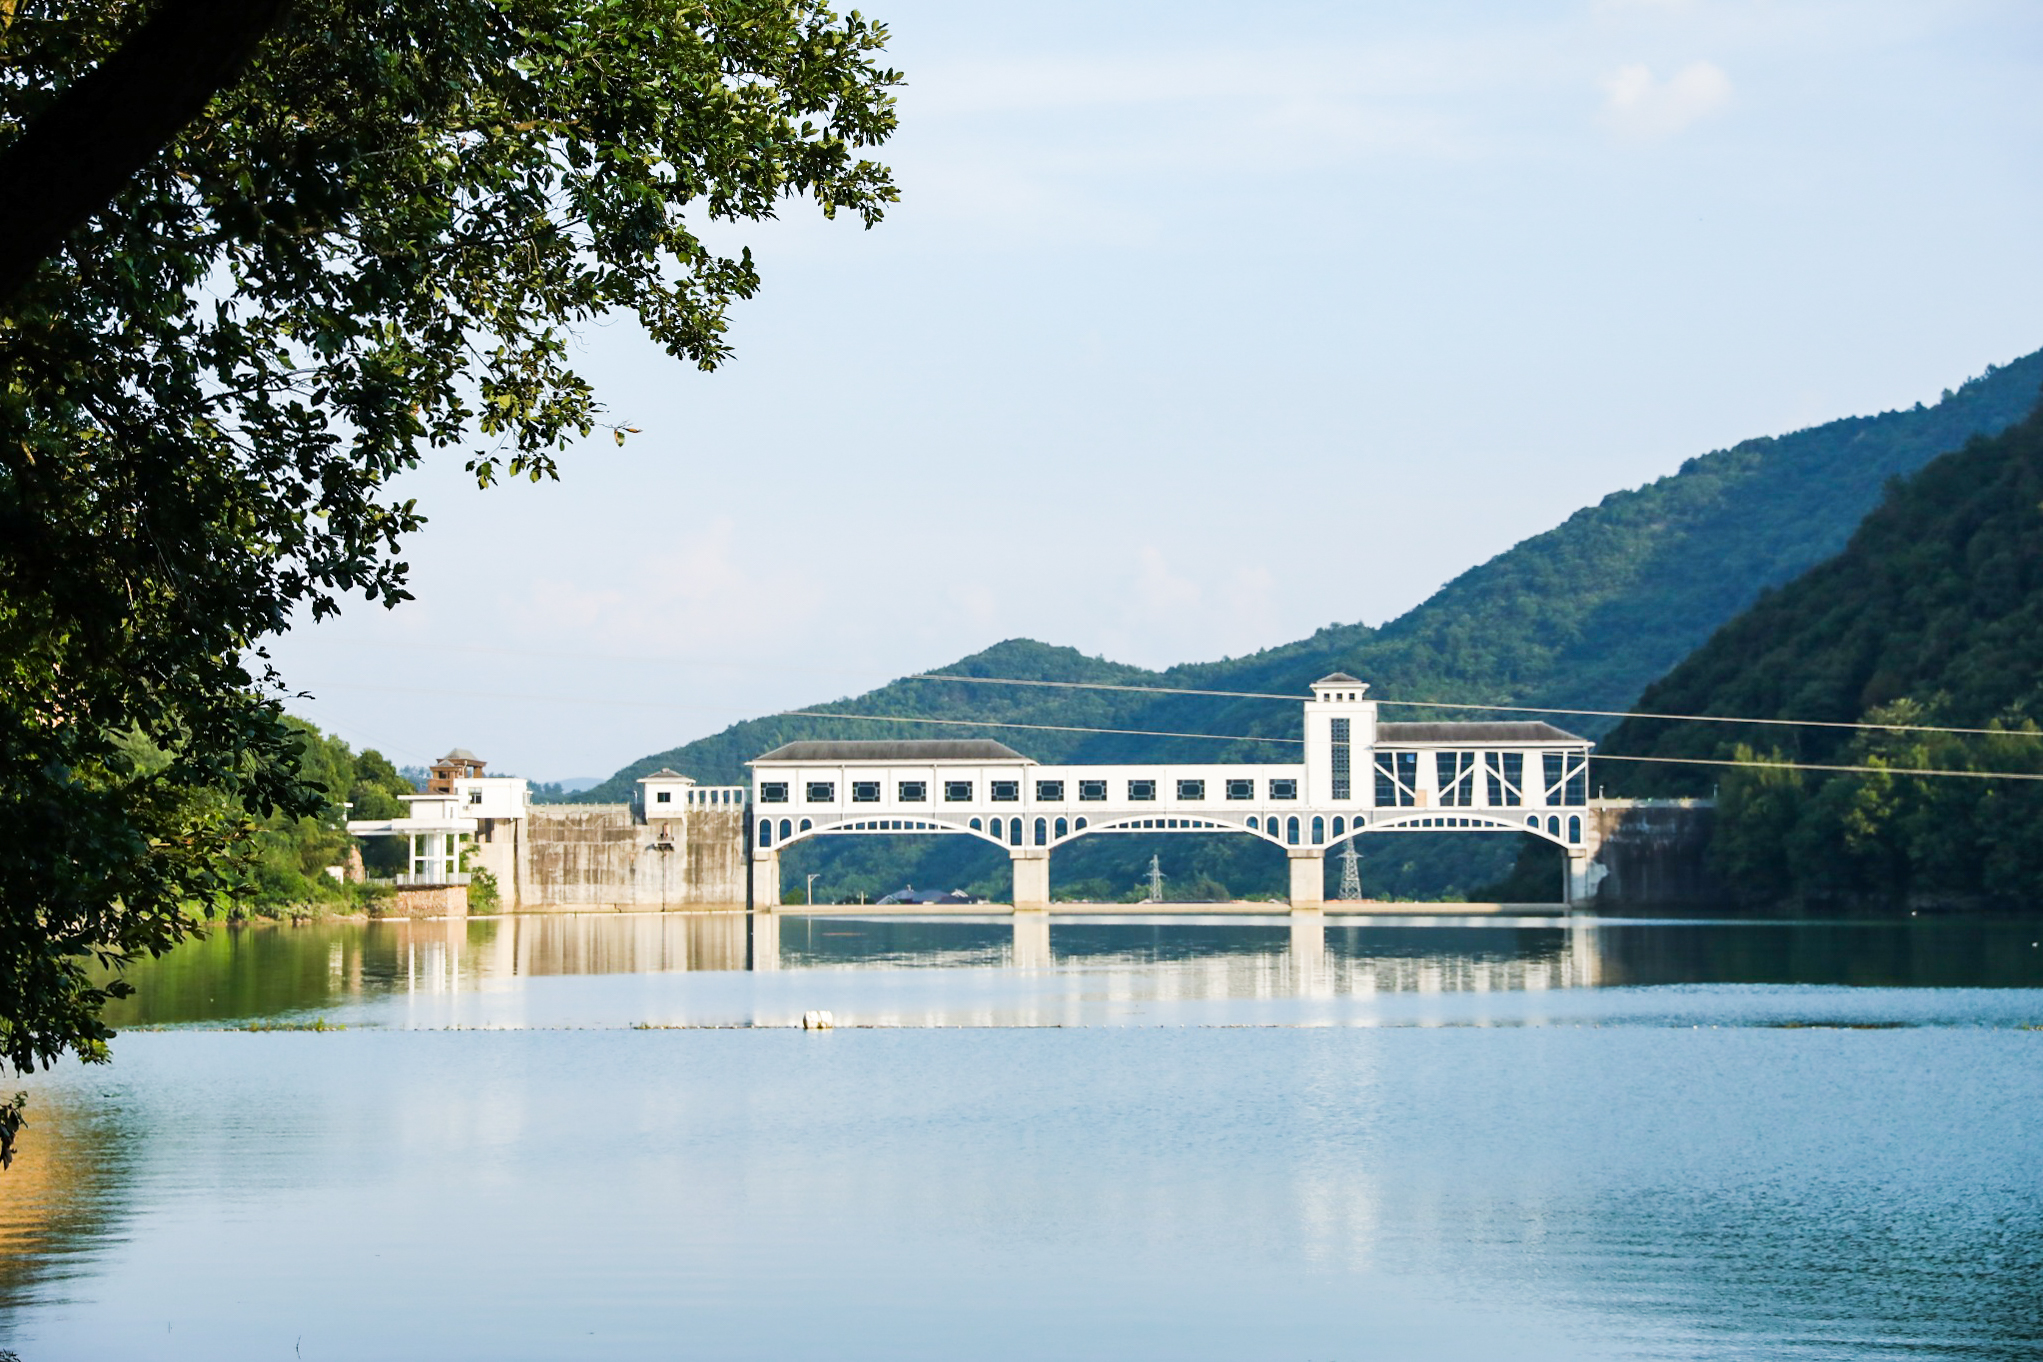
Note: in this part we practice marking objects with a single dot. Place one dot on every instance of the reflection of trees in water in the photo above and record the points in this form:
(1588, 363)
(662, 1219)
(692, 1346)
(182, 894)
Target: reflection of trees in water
(1957, 952)
(273, 970)
(59, 1201)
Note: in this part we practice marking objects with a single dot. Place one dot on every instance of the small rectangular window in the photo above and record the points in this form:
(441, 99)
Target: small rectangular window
(957, 791)
(773, 792)
(1050, 791)
(865, 792)
(1141, 789)
(1006, 791)
(664, 797)
(914, 791)
(1092, 790)
(1191, 789)
(475, 796)
(1283, 789)
(1241, 789)
(821, 792)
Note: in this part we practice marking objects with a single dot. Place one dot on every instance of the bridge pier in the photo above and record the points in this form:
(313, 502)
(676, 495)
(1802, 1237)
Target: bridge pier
(1576, 890)
(1308, 877)
(1031, 879)
(765, 881)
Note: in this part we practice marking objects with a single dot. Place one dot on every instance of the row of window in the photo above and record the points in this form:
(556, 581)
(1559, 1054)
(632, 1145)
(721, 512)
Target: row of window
(730, 795)
(1009, 791)
(1046, 829)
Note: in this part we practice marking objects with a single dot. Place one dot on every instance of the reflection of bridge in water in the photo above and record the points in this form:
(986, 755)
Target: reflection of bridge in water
(1204, 957)
(1289, 957)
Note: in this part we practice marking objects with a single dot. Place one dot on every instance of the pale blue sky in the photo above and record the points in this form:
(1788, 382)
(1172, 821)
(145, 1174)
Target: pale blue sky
(1201, 326)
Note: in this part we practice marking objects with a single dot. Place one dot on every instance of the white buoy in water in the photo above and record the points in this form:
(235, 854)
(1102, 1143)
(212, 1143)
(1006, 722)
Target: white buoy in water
(818, 1021)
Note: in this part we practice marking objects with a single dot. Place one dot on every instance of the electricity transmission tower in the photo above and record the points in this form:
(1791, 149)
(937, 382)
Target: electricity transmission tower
(1351, 878)
(1155, 881)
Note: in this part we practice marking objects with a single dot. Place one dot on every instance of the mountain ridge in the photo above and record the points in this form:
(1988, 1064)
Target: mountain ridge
(1586, 613)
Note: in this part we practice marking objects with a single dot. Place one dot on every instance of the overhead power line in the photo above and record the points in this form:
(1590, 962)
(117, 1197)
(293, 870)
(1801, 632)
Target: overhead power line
(1817, 766)
(1240, 737)
(1498, 709)
(1041, 728)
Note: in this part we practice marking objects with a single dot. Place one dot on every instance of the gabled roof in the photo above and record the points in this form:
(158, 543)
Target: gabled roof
(666, 773)
(1339, 679)
(1474, 733)
(892, 749)
(463, 754)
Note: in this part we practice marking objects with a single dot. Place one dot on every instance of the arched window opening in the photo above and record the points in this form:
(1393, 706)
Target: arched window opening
(1291, 830)
(1254, 825)
(1319, 830)
(766, 832)
(1574, 828)
(1063, 828)
(1014, 832)
(786, 829)
(806, 825)
(1079, 826)
(977, 826)
(1553, 825)
(1340, 828)
(1042, 832)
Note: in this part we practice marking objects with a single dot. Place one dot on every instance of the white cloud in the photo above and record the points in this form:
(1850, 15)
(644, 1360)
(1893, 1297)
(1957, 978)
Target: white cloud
(699, 597)
(1639, 104)
(1161, 591)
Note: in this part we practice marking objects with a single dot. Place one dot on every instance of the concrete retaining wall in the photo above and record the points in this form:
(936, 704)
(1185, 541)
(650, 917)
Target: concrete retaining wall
(1651, 853)
(600, 856)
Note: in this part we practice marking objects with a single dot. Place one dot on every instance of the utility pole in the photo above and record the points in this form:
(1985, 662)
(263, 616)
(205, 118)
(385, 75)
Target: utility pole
(812, 890)
(1351, 877)
(1155, 881)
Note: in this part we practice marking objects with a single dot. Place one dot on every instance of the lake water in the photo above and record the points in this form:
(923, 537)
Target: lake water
(603, 1137)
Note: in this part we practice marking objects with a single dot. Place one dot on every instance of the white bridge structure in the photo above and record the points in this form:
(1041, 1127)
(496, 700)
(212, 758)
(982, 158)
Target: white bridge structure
(1358, 776)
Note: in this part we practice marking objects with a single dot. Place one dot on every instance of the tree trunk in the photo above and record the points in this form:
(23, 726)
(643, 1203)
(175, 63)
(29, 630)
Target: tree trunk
(108, 124)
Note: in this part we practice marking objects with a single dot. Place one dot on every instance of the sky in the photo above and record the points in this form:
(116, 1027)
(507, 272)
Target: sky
(1201, 326)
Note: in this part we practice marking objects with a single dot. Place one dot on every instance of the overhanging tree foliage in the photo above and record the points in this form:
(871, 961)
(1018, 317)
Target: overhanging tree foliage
(372, 245)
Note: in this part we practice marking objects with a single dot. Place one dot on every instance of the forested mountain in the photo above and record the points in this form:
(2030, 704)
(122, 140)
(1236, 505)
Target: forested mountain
(1933, 615)
(1586, 614)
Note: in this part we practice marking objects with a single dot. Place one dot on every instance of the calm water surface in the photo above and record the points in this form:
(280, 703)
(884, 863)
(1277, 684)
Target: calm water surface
(601, 1137)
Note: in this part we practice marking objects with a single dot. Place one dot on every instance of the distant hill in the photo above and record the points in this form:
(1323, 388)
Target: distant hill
(1932, 614)
(1584, 615)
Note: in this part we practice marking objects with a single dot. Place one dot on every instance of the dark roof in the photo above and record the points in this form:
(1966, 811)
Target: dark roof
(664, 773)
(463, 754)
(1338, 679)
(1474, 732)
(891, 749)
(913, 895)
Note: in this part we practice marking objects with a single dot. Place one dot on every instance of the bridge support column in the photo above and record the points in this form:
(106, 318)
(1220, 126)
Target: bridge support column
(1308, 877)
(765, 881)
(1575, 888)
(1031, 880)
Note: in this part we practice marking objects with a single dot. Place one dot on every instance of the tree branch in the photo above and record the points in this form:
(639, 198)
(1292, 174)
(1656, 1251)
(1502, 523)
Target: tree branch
(72, 161)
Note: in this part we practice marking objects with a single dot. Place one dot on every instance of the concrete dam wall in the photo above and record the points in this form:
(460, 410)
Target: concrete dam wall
(602, 856)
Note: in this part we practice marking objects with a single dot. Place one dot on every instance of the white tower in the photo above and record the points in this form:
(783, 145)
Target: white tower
(1340, 731)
